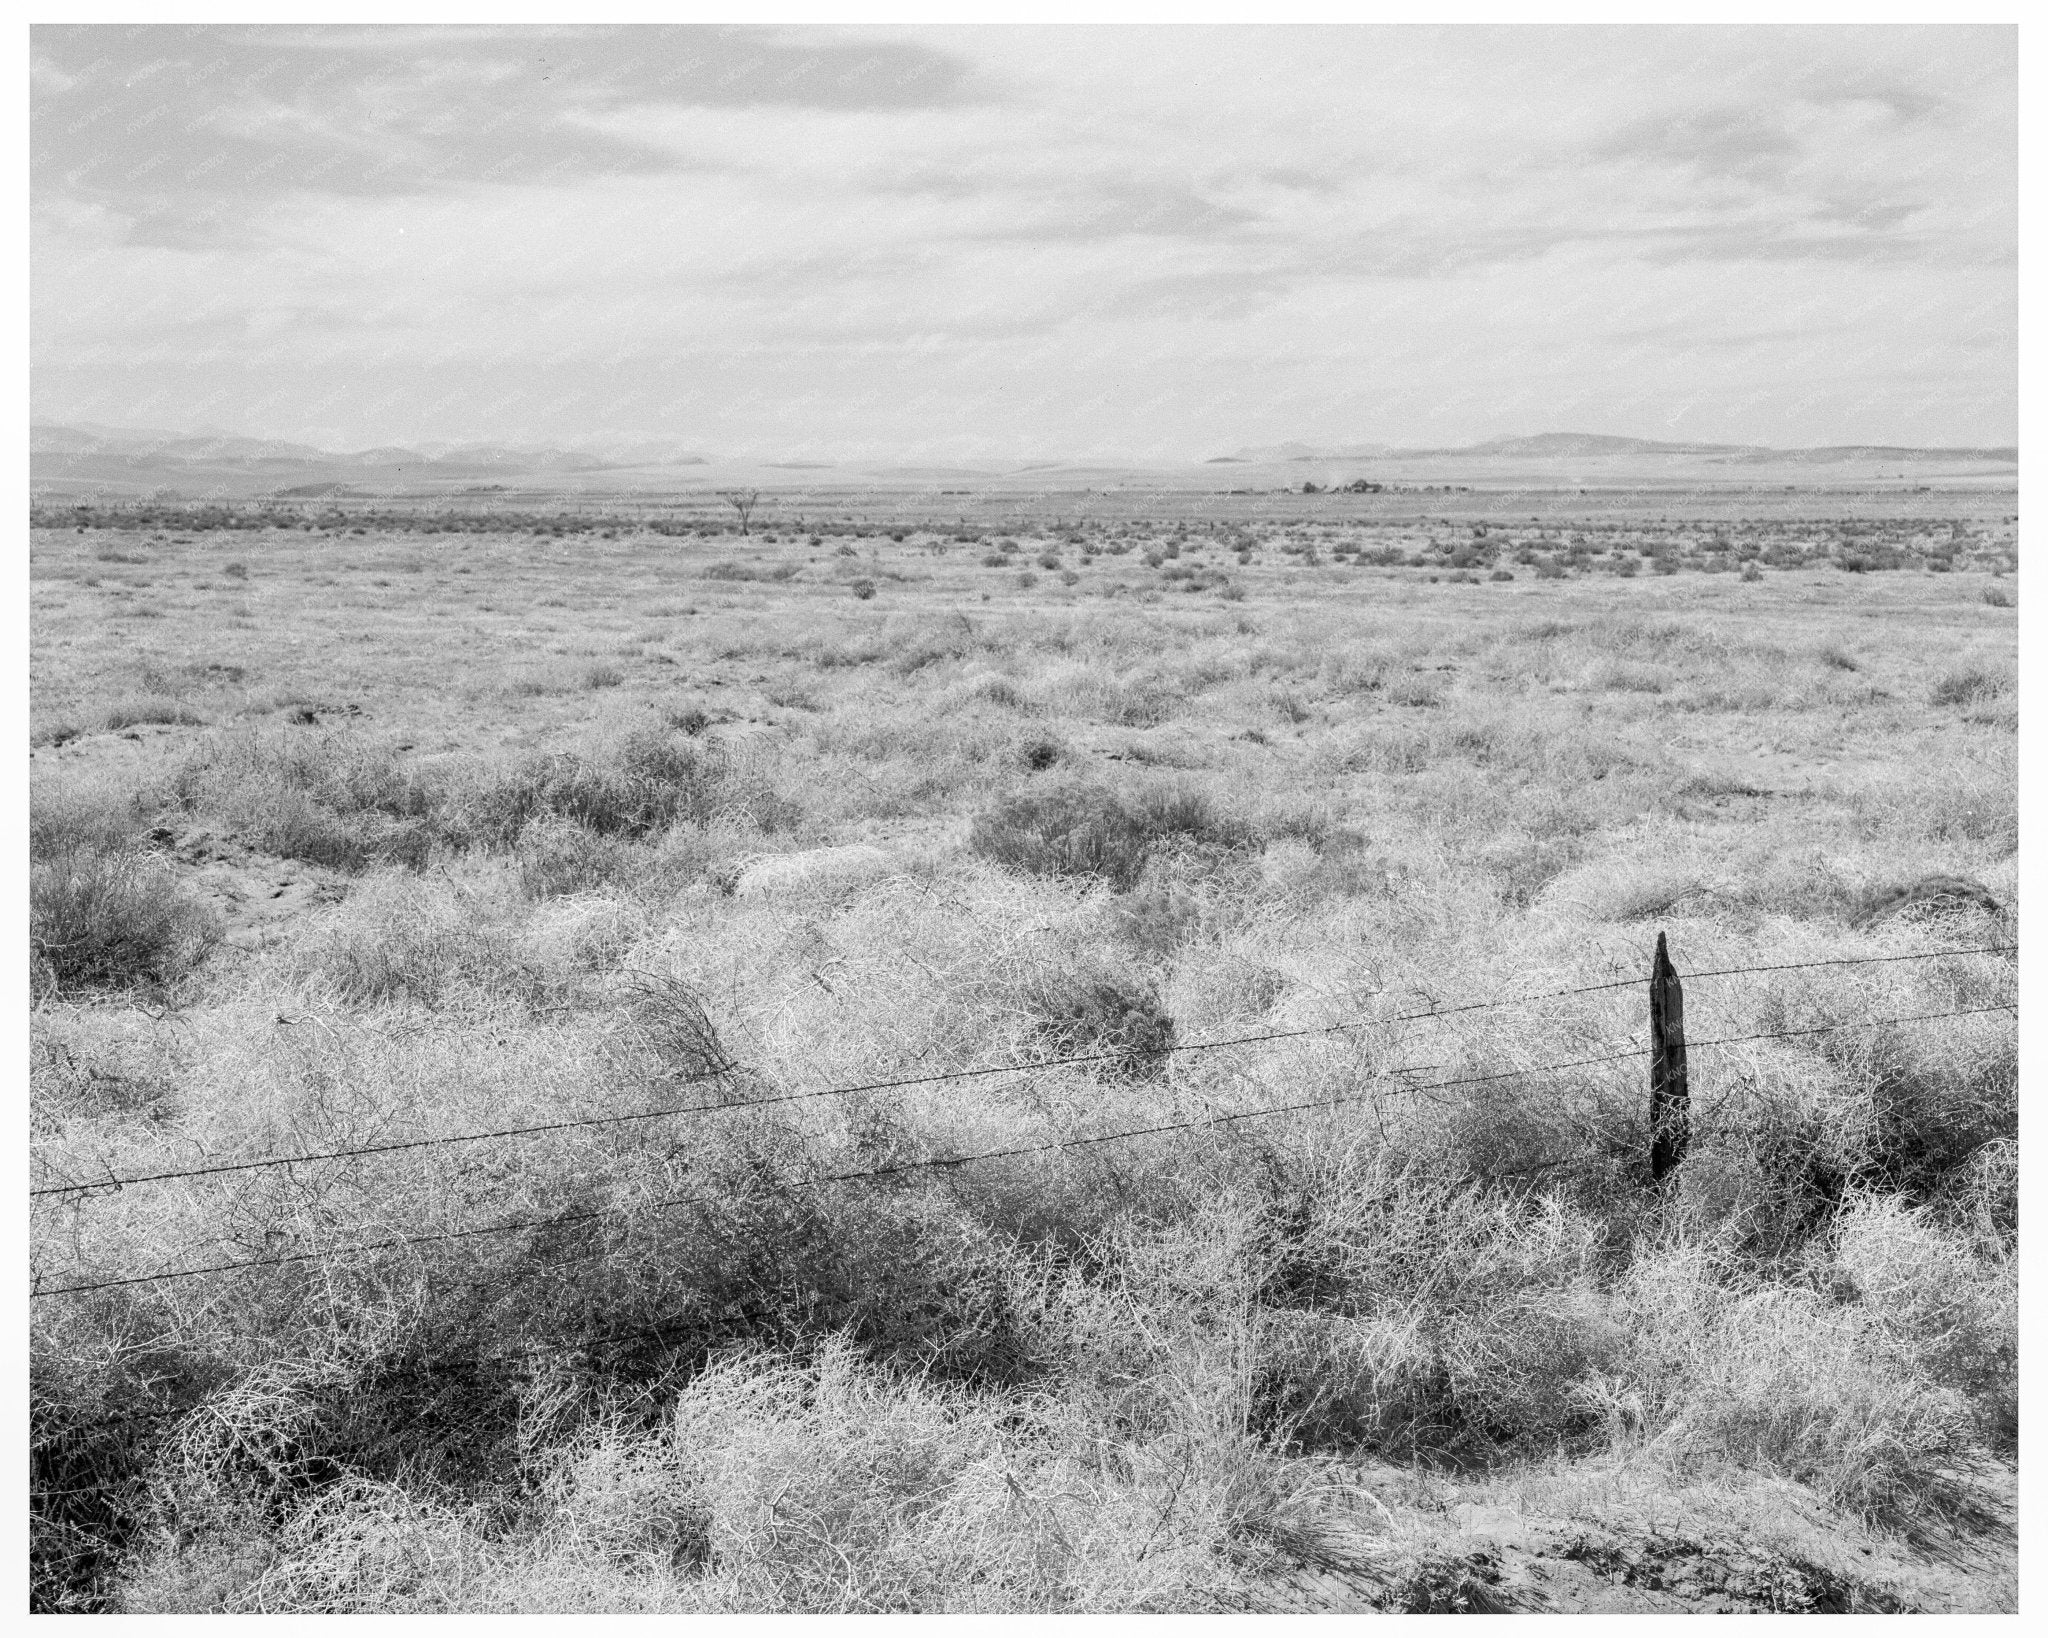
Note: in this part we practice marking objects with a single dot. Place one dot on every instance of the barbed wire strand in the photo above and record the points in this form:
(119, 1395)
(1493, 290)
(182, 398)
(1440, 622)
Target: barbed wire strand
(268, 1162)
(940, 1078)
(1859, 1023)
(1848, 961)
(571, 1219)
(581, 1343)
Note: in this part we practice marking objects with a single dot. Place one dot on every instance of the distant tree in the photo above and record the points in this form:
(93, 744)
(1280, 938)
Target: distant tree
(742, 501)
(1310, 488)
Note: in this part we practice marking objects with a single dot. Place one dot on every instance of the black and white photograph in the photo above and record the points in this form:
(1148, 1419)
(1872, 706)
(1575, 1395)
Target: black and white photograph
(1023, 818)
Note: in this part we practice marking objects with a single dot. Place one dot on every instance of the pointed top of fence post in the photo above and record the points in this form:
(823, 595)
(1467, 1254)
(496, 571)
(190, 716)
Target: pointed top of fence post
(1661, 963)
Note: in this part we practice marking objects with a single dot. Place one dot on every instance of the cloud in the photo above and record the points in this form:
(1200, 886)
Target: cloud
(905, 235)
(352, 111)
(1780, 243)
(1744, 143)
(1113, 210)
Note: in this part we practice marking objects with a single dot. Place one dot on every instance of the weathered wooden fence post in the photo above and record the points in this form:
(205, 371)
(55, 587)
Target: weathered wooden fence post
(1669, 1119)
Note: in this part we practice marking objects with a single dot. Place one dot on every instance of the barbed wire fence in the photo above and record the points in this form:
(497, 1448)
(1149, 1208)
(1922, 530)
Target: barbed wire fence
(83, 1193)
(114, 1182)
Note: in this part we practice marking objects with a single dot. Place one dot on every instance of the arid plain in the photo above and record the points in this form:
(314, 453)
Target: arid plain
(358, 833)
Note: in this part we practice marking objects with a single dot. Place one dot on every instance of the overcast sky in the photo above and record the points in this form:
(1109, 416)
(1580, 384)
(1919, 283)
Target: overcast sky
(938, 244)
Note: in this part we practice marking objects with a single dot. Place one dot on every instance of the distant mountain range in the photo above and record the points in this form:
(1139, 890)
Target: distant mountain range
(1305, 452)
(182, 452)
(1582, 445)
(85, 458)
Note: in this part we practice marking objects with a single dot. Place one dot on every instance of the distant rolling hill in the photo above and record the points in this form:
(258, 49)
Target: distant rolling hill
(1597, 445)
(138, 460)
(1308, 452)
(84, 460)
(1580, 444)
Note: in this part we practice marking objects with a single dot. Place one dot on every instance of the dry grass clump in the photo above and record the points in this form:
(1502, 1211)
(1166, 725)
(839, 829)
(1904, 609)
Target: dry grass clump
(996, 689)
(104, 913)
(52, 731)
(1876, 1378)
(1930, 897)
(813, 1483)
(104, 919)
(1094, 691)
(1973, 684)
(1159, 917)
(1782, 1377)
(1343, 868)
(472, 939)
(339, 800)
(559, 856)
(1405, 1315)
(1078, 829)
(1039, 752)
(410, 1394)
(1097, 1008)
(1388, 1310)
(1931, 1111)
(74, 813)
(641, 785)
(1526, 867)
(136, 711)
(671, 1021)
(148, 710)
(332, 798)
(400, 940)
(1932, 1293)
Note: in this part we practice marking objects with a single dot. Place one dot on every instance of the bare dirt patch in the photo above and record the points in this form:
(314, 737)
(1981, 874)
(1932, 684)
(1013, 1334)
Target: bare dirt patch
(257, 896)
